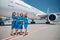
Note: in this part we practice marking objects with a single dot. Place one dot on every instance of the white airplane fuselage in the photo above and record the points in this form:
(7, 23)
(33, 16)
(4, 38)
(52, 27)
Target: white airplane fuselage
(9, 6)
(18, 6)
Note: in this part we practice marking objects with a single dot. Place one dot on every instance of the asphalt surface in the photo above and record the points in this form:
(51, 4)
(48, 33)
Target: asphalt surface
(35, 32)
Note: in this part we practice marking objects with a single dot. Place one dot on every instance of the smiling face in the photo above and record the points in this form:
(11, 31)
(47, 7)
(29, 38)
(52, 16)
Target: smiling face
(25, 14)
(17, 14)
(21, 14)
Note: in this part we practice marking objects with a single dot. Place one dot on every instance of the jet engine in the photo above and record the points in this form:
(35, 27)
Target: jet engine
(54, 17)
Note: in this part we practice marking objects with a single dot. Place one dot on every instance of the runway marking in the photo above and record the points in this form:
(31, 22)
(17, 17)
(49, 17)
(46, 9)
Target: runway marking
(19, 36)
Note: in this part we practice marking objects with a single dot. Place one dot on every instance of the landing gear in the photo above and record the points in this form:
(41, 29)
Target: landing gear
(47, 22)
(1, 22)
(32, 22)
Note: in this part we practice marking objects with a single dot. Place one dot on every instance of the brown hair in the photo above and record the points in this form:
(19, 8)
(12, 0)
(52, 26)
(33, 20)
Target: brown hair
(21, 14)
(25, 15)
(14, 13)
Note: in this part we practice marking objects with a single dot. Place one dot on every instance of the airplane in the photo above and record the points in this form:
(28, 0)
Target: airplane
(9, 6)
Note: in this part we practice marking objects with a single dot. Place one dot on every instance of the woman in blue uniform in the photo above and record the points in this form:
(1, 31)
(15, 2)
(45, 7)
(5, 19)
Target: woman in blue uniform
(21, 23)
(25, 23)
(17, 23)
(13, 22)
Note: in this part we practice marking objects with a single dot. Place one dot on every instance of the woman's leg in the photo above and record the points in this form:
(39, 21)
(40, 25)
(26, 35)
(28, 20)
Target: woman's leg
(26, 31)
(21, 27)
(12, 32)
(25, 25)
(12, 27)
(16, 30)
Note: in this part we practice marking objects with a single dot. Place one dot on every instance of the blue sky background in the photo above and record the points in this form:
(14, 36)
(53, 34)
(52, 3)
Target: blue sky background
(42, 5)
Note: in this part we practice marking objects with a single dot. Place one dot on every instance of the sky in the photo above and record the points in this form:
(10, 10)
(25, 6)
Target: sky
(43, 5)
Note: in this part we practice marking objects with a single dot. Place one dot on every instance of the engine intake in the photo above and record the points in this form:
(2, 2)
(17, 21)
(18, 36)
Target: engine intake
(52, 17)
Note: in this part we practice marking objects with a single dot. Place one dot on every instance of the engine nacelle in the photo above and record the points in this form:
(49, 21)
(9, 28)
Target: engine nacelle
(54, 17)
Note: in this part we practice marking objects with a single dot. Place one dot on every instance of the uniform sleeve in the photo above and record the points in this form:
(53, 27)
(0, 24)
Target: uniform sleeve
(14, 17)
(23, 18)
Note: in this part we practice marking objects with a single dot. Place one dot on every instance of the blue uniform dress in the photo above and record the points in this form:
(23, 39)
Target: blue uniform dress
(13, 22)
(25, 22)
(17, 22)
(21, 23)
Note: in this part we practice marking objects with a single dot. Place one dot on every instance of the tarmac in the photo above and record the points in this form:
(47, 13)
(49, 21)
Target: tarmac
(35, 32)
